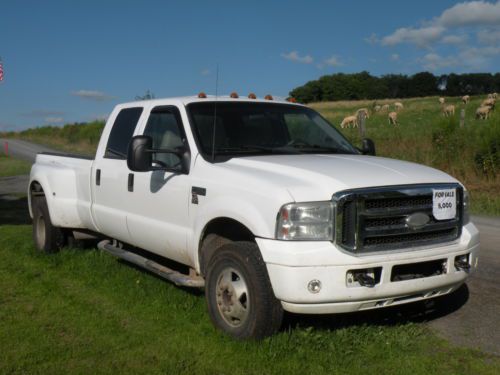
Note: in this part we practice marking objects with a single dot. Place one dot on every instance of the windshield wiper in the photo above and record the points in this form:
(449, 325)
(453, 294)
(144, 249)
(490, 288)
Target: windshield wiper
(117, 153)
(315, 147)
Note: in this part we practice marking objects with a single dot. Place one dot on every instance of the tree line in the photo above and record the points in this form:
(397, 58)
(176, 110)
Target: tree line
(363, 85)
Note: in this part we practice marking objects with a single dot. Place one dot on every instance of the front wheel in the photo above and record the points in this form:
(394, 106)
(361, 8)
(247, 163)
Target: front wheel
(239, 295)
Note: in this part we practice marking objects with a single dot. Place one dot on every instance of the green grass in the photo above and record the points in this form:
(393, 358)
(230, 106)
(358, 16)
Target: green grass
(13, 167)
(472, 154)
(84, 312)
(425, 136)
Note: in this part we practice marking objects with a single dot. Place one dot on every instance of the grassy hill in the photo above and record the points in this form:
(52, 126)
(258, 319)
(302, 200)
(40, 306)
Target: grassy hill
(424, 135)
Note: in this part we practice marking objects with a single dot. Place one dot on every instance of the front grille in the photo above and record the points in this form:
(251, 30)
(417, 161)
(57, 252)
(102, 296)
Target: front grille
(374, 219)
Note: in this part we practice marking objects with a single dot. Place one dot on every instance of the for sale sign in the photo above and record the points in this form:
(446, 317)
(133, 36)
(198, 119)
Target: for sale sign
(444, 203)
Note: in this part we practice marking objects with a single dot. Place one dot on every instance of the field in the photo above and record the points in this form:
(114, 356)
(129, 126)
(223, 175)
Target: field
(82, 311)
(12, 167)
(424, 135)
(471, 154)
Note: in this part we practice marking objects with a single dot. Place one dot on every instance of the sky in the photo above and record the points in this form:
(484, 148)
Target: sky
(73, 61)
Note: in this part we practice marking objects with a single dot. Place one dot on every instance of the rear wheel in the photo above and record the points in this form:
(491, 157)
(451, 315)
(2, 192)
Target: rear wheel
(46, 236)
(239, 294)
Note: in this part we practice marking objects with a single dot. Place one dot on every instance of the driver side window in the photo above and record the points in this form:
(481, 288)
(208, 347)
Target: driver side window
(164, 127)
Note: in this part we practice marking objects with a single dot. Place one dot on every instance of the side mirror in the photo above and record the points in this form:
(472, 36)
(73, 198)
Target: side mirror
(368, 147)
(139, 156)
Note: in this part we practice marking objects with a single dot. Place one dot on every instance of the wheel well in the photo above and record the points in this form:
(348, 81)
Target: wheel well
(217, 233)
(36, 189)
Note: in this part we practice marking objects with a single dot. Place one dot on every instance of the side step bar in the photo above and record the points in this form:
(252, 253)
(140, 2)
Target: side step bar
(174, 276)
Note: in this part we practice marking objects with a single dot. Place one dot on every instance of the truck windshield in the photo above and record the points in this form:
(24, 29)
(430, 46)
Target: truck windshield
(244, 129)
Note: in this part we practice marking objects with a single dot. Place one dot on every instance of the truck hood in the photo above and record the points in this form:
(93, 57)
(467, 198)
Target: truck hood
(318, 177)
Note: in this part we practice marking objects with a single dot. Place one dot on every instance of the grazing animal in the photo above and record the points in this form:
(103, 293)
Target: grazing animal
(377, 108)
(483, 112)
(449, 110)
(393, 118)
(365, 110)
(385, 108)
(495, 95)
(349, 121)
(441, 100)
(465, 99)
(398, 106)
(488, 103)
(490, 96)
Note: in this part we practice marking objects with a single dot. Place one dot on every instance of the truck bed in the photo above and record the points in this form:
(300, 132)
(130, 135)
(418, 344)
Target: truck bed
(65, 179)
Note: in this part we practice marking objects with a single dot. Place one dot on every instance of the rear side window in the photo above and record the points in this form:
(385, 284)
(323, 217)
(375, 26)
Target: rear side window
(122, 132)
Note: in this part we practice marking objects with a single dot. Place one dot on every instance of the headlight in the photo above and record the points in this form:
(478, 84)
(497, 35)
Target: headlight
(305, 221)
(466, 205)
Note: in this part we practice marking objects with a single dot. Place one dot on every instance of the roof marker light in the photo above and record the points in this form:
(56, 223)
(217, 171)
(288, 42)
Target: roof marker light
(202, 95)
(268, 97)
(252, 96)
(234, 95)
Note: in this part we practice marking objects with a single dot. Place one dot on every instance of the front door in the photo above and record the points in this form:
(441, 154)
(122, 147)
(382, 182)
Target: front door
(158, 206)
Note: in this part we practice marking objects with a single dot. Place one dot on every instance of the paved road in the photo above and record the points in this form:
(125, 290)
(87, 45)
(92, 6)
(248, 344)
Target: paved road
(23, 149)
(470, 317)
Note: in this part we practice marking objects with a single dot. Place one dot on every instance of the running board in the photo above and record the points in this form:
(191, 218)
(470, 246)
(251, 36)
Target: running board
(176, 277)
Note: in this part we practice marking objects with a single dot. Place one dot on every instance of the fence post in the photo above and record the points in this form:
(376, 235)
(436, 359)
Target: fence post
(6, 148)
(462, 117)
(361, 123)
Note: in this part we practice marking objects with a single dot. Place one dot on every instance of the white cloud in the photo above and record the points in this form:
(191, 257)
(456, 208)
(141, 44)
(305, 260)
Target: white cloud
(422, 37)
(333, 61)
(54, 120)
(488, 36)
(39, 113)
(395, 57)
(92, 95)
(433, 61)
(372, 39)
(205, 72)
(455, 39)
(295, 57)
(471, 13)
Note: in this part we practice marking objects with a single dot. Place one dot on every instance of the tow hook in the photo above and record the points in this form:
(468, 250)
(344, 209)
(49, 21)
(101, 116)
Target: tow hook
(462, 265)
(365, 280)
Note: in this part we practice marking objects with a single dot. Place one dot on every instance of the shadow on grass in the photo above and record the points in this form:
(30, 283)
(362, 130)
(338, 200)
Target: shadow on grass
(13, 210)
(416, 312)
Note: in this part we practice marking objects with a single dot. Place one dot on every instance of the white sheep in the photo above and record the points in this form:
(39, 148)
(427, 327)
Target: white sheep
(441, 100)
(377, 108)
(449, 110)
(398, 106)
(488, 103)
(465, 99)
(495, 95)
(349, 121)
(385, 108)
(365, 110)
(483, 112)
(393, 118)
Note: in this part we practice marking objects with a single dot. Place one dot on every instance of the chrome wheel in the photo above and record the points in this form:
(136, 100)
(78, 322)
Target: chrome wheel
(232, 297)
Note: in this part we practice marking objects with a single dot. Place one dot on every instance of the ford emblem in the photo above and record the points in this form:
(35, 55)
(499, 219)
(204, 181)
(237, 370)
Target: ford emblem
(417, 220)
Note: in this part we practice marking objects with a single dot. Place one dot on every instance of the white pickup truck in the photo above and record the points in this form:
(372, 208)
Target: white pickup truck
(264, 204)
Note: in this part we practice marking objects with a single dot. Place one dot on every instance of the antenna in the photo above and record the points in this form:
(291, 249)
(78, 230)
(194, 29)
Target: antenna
(215, 110)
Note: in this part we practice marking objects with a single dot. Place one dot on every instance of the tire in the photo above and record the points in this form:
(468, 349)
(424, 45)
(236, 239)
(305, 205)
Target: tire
(239, 295)
(47, 237)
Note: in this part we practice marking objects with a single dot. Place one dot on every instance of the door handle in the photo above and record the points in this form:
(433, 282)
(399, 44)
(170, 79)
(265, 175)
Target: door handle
(130, 182)
(98, 177)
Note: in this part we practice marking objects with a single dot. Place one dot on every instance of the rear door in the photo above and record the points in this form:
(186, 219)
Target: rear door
(110, 176)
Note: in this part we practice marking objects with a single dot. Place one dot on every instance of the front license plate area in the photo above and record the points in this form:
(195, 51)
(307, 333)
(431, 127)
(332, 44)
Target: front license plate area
(444, 204)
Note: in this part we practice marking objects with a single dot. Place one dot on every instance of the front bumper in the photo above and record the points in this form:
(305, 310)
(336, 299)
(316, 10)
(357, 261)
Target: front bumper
(292, 265)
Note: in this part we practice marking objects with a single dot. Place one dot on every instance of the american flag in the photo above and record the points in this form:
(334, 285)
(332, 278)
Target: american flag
(1, 71)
